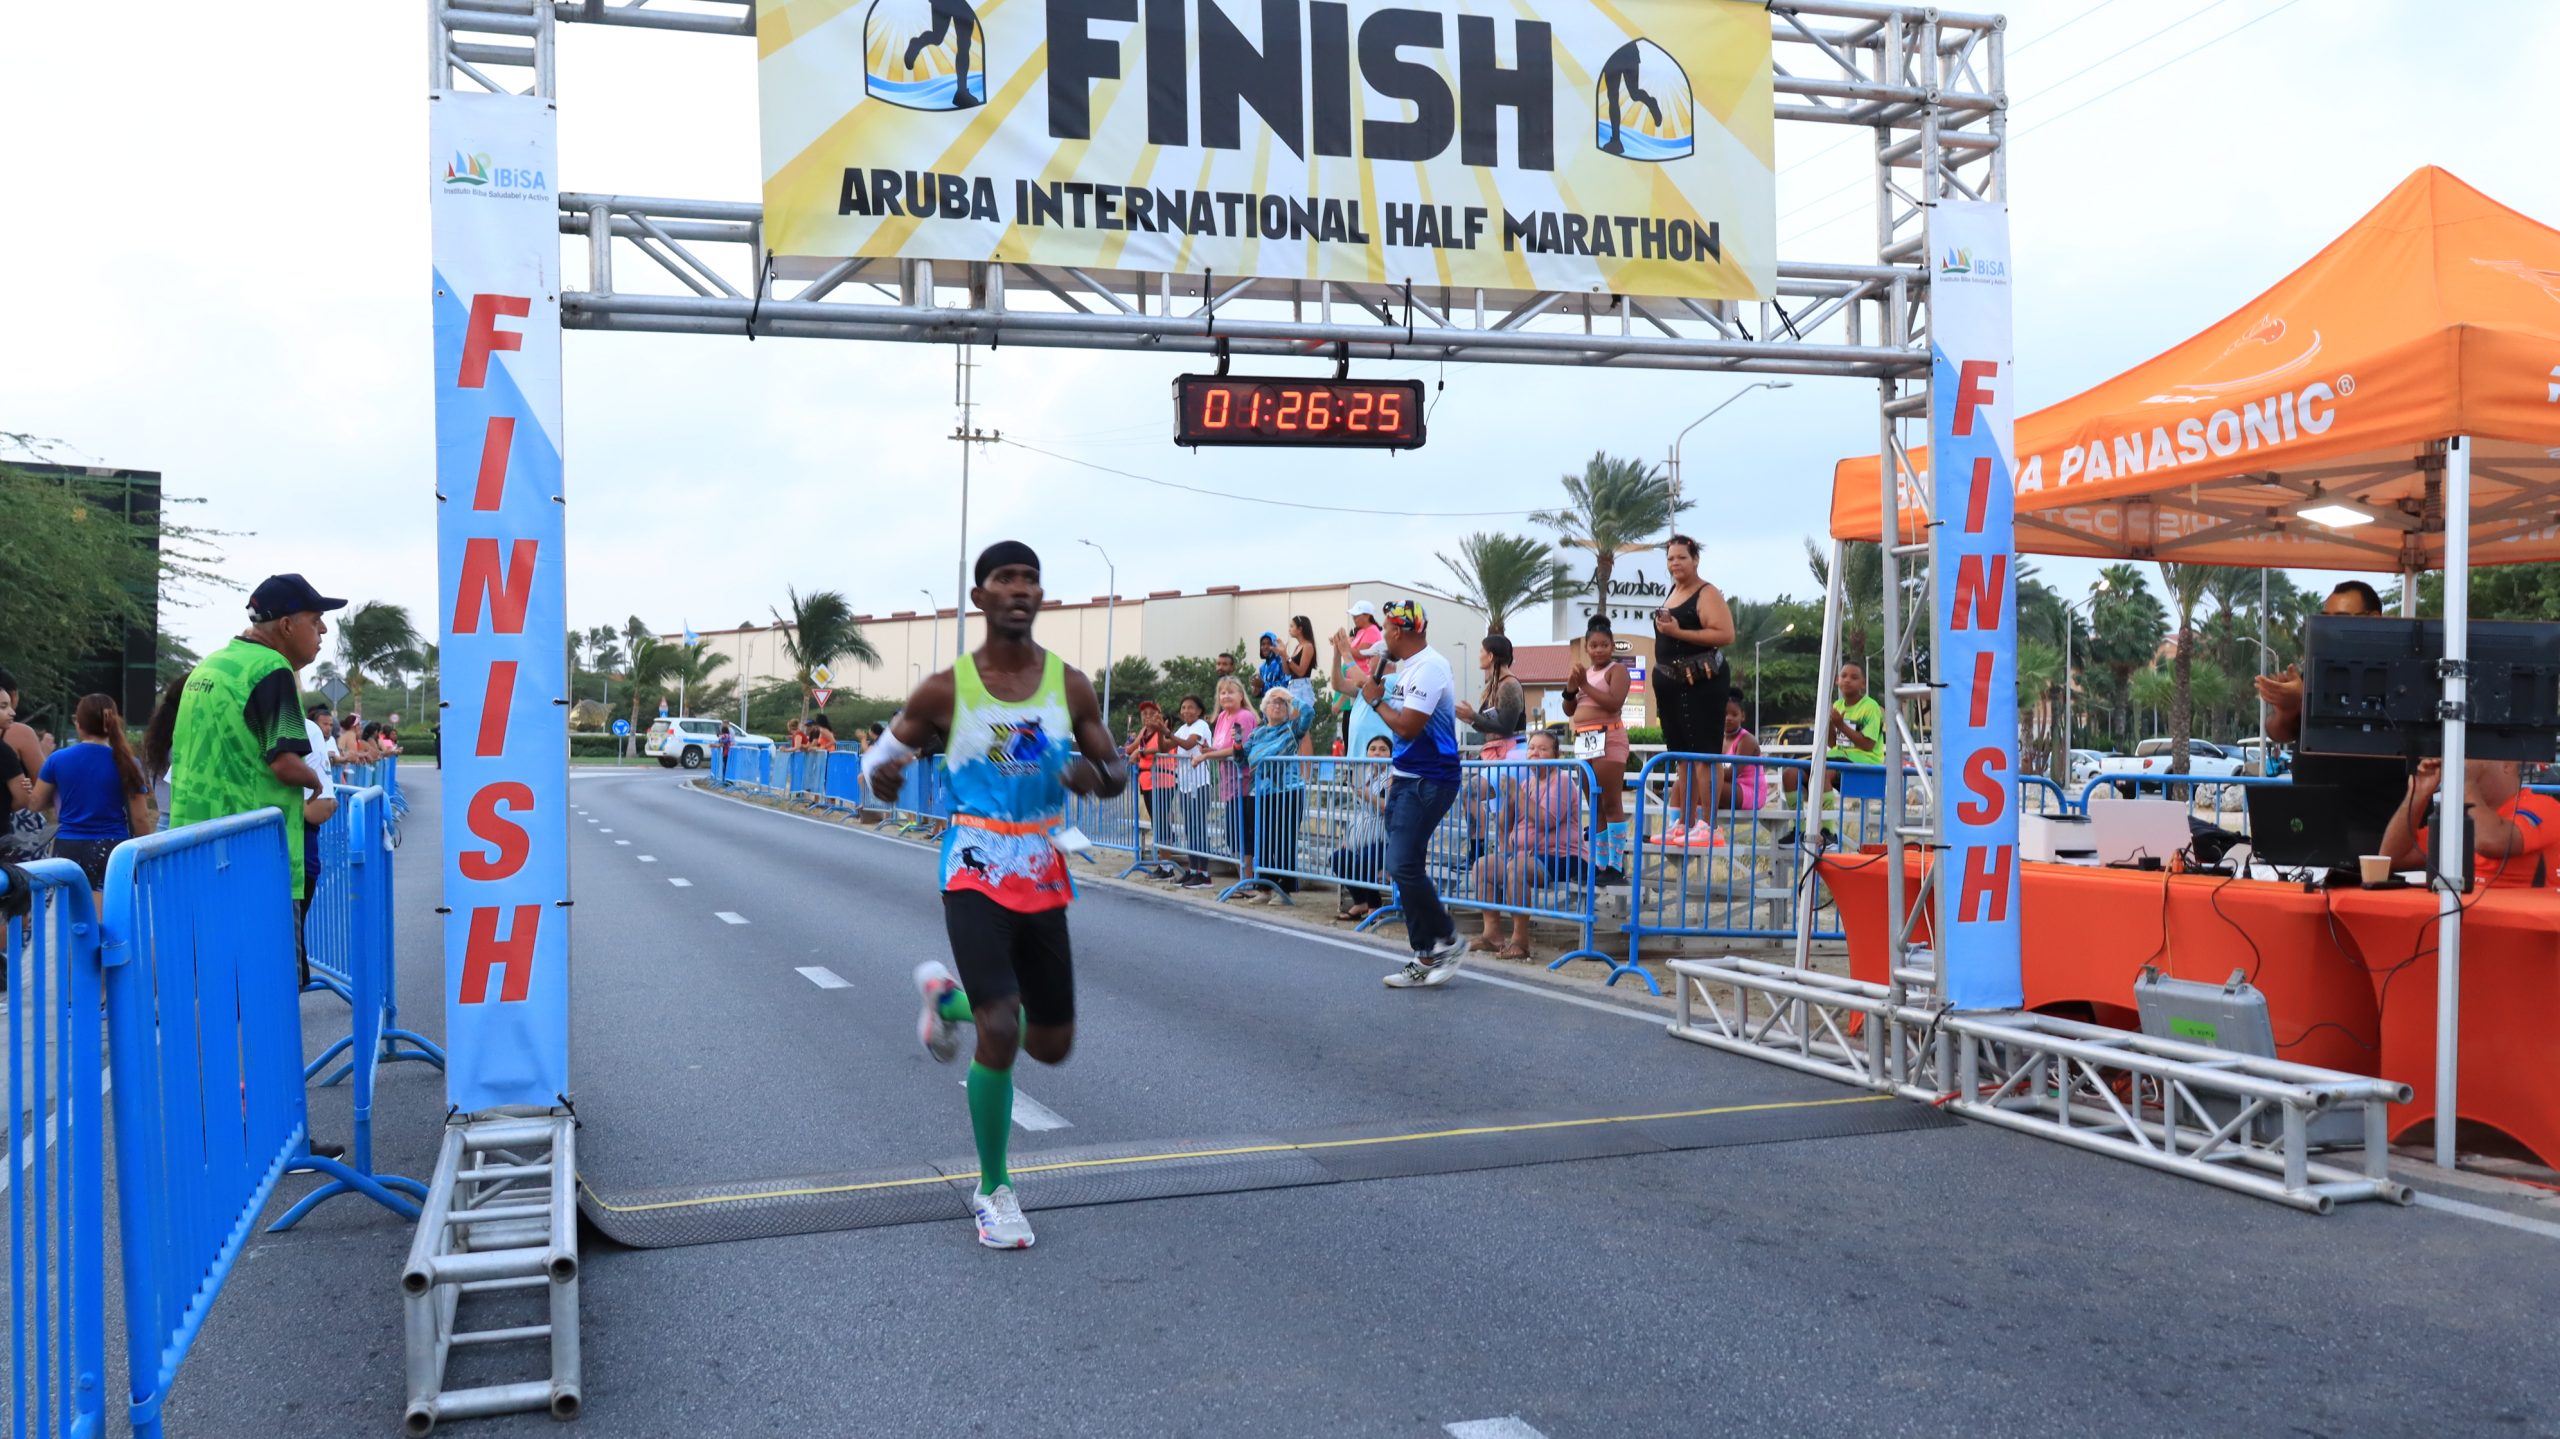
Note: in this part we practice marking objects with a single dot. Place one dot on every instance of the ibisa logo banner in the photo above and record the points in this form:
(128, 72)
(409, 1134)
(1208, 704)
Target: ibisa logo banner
(472, 170)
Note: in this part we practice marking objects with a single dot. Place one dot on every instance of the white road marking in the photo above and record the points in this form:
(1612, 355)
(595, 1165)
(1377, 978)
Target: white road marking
(622, 841)
(646, 858)
(730, 917)
(27, 1152)
(607, 830)
(825, 978)
(1372, 951)
(681, 883)
(1508, 1427)
(1031, 1113)
(2486, 1215)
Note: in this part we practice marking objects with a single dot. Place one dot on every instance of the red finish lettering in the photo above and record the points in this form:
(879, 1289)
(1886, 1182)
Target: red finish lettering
(498, 831)
(1978, 590)
(508, 589)
(1973, 391)
(495, 444)
(1991, 797)
(1986, 879)
(514, 954)
(496, 702)
(1980, 499)
(483, 336)
(1980, 713)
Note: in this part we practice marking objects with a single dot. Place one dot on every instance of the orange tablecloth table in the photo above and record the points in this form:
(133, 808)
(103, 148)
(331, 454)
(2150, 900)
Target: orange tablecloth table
(2510, 1005)
(2325, 961)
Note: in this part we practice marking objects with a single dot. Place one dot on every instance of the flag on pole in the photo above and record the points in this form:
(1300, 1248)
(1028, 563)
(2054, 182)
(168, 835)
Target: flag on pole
(689, 636)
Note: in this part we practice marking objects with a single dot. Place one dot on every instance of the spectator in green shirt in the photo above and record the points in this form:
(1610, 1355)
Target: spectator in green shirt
(240, 744)
(1857, 721)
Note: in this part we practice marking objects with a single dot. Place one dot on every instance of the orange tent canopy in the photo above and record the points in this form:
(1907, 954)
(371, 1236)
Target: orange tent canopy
(2438, 314)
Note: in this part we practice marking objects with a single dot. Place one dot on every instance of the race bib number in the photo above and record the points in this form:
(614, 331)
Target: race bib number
(1591, 743)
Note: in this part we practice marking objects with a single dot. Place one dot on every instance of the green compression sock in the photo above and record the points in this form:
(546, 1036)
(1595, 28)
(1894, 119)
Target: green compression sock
(954, 1005)
(991, 1117)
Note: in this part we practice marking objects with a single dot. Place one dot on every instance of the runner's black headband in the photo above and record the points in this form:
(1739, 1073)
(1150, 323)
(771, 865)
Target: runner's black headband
(1003, 553)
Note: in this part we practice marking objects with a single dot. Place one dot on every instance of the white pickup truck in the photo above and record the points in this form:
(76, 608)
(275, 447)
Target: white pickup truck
(2152, 758)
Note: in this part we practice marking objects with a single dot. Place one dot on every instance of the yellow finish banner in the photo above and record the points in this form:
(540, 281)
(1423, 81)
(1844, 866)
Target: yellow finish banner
(1605, 146)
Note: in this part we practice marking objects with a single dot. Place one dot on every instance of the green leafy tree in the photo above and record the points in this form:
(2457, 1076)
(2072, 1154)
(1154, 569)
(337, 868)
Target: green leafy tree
(1862, 594)
(2126, 627)
(1614, 507)
(1505, 574)
(1134, 678)
(820, 631)
(75, 575)
(653, 666)
(375, 641)
(2186, 585)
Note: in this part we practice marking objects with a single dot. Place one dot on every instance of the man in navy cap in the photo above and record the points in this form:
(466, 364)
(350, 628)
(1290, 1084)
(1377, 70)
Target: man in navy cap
(241, 745)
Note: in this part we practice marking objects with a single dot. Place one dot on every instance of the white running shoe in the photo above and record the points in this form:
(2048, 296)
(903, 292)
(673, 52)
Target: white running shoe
(1413, 976)
(941, 1036)
(1000, 1221)
(1445, 968)
(1444, 951)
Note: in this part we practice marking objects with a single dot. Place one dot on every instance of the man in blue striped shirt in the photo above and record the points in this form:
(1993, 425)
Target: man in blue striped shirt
(1422, 718)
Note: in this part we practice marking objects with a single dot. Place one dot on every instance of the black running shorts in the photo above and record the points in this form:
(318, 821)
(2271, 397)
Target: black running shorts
(1002, 952)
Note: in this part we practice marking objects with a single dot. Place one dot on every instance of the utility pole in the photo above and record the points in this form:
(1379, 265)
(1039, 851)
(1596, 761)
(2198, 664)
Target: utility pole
(964, 393)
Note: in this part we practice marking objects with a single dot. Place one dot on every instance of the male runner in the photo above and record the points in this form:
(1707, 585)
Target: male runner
(1422, 721)
(1005, 714)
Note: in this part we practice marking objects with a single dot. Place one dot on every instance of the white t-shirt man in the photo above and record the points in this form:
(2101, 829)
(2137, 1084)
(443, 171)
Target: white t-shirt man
(1192, 772)
(1422, 682)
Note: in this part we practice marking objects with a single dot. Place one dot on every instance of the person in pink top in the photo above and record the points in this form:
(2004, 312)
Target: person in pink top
(1749, 788)
(1544, 840)
(1227, 732)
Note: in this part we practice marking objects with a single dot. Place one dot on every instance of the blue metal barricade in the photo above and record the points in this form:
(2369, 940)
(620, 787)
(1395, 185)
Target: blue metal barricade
(1204, 824)
(1518, 841)
(57, 1157)
(924, 800)
(2219, 800)
(205, 1044)
(389, 772)
(1119, 825)
(347, 934)
(1740, 877)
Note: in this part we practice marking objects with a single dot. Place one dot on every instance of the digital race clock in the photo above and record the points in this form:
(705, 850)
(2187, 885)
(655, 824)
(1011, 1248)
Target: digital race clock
(1241, 410)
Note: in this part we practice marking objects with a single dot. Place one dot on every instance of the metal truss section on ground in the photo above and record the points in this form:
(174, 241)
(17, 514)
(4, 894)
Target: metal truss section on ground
(1927, 83)
(2229, 1119)
(499, 1232)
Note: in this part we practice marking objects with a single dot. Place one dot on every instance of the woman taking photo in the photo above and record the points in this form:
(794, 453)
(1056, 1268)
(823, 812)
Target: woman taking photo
(1690, 632)
(1595, 699)
(99, 789)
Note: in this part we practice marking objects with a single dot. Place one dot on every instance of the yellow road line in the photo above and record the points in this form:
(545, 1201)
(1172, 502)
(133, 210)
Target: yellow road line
(818, 1191)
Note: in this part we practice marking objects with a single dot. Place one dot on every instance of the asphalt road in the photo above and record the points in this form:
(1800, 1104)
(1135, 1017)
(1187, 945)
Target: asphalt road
(1955, 1280)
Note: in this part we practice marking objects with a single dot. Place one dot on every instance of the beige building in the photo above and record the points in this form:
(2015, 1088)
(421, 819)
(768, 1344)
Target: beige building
(1164, 625)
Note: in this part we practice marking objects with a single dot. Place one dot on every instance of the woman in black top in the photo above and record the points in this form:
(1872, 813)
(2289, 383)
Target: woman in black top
(1690, 632)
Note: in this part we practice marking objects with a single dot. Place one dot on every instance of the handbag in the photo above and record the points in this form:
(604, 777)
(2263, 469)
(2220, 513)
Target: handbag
(27, 837)
(1691, 671)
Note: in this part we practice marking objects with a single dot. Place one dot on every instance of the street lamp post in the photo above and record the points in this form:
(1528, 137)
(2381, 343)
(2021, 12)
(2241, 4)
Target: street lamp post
(1709, 415)
(1755, 673)
(1110, 613)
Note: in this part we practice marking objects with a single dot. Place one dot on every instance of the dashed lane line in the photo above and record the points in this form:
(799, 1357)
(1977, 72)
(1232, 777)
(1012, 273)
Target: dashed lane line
(622, 841)
(825, 978)
(646, 858)
(1031, 1114)
(1510, 1426)
(681, 883)
(730, 916)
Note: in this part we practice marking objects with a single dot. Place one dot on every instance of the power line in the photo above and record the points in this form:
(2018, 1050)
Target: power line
(1265, 500)
(2156, 69)
(2111, 58)
(1837, 145)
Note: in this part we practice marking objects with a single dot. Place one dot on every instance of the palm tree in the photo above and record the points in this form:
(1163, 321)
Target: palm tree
(2186, 585)
(1862, 600)
(1617, 507)
(375, 636)
(1505, 574)
(2126, 626)
(819, 632)
(653, 663)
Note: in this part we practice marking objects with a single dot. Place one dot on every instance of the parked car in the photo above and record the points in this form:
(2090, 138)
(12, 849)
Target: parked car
(2085, 764)
(689, 742)
(2152, 757)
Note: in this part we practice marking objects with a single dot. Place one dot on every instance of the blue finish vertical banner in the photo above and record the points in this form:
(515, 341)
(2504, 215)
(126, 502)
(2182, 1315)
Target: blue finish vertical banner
(1972, 454)
(504, 737)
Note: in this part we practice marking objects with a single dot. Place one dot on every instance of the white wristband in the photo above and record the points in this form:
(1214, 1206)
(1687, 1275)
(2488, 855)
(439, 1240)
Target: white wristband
(886, 750)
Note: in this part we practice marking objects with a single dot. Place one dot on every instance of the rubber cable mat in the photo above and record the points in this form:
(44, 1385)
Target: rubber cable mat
(674, 1215)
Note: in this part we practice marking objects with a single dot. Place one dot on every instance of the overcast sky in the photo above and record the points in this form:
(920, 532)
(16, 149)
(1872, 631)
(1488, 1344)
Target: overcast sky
(217, 268)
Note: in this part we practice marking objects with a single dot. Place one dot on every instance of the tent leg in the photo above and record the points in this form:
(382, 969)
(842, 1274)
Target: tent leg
(2449, 829)
(1814, 811)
